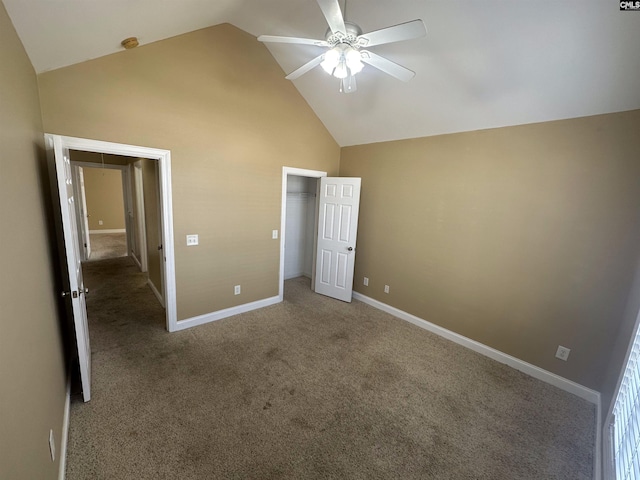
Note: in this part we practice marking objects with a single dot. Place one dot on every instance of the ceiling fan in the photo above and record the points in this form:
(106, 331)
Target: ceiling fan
(347, 46)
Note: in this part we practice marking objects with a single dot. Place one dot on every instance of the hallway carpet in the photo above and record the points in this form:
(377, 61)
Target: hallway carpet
(310, 388)
(107, 245)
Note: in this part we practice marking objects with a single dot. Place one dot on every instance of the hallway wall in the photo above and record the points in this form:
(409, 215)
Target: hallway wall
(105, 200)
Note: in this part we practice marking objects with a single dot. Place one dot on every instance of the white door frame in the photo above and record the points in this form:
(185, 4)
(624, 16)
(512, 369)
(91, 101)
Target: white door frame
(160, 221)
(82, 219)
(300, 172)
(164, 162)
(140, 217)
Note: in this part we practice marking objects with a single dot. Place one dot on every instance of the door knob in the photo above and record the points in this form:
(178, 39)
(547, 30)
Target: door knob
(350, 249)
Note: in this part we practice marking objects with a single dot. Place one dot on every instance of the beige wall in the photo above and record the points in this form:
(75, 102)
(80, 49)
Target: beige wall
(521, 238)
(217, 99)
(152, 220)
(105, 201)
(32, 373)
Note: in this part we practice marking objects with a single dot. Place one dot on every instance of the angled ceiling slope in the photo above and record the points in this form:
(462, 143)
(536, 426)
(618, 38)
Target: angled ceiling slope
(482, 65)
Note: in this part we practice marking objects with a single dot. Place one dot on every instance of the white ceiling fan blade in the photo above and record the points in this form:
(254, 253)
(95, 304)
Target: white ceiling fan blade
(333, 14)
(297, 40)
(387, 66)
(305, 68)
(397, 33)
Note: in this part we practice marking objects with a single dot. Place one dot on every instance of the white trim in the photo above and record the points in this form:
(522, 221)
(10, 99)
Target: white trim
(164, 161)
(156, 181)
(135, 259)
(296, 275)
(64, 435)
(608, 467)
(155, 292)
(300, 172)
(126, 194)
(111, 166)
(536, 372)
(597, 454)
(140, 216)
(108, 230)
(227, 312)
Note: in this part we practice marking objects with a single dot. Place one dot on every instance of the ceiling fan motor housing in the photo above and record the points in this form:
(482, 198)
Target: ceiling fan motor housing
(350, 38)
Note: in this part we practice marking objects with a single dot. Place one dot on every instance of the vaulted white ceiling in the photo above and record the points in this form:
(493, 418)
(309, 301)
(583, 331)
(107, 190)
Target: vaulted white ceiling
(483, 64)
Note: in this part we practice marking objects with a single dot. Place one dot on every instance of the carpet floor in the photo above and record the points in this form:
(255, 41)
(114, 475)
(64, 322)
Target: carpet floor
(107, 245)
(310, 388)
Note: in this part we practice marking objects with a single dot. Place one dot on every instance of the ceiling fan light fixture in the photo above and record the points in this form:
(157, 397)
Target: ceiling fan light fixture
(353, 61)
(341, 61)
(331, 60)
(341, 70)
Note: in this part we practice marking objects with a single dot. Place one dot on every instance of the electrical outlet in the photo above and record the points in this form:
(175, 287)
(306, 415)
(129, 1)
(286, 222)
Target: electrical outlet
(192, 240)
(563, 353)
(236, 290)
(366, 281)
(52, 446)
(100, 222)
(386, 289)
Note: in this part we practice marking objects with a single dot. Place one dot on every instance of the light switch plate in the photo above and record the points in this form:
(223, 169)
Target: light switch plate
(192, 240)
(274, 234)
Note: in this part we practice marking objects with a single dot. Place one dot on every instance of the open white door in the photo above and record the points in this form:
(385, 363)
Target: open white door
(76, 293)
(338, 207)
(84, 216)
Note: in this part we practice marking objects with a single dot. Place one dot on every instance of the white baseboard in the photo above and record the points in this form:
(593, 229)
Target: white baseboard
(64, 436)
(108, 230)
(297, 275)
(155, 292)
(536, 372)
(293, 275)
(228, 312)
(135, 259)
(597, 457)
